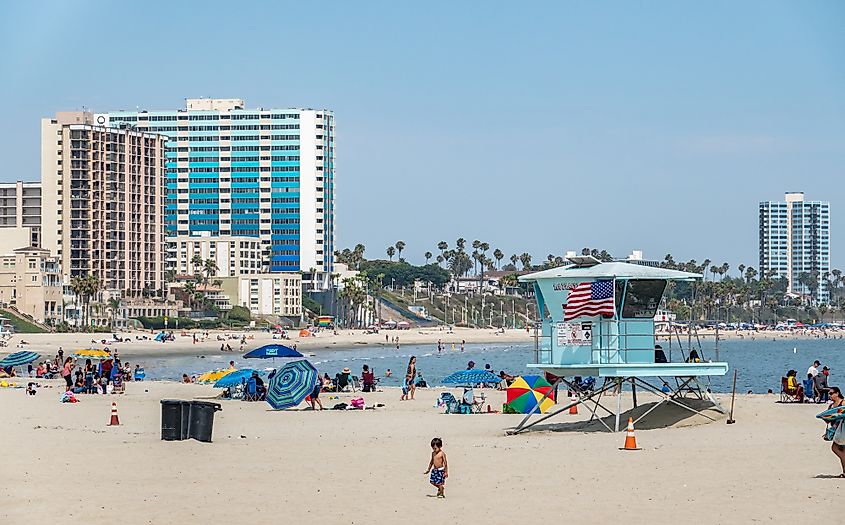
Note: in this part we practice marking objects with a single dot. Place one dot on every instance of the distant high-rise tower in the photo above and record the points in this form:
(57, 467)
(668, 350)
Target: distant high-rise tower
(102, 193)
(795, 243)
(264, 173)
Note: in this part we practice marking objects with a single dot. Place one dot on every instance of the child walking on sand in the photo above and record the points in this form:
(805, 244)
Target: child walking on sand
(438, 467)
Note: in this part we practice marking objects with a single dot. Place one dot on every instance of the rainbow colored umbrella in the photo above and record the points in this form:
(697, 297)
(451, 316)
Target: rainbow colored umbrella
(525, 394)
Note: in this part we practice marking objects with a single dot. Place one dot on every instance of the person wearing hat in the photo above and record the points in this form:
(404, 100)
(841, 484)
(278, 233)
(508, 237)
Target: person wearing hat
(820, 385)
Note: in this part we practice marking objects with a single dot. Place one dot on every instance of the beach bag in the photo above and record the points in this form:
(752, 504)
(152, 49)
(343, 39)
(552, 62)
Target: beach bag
(828, 433)
(357, 403)
(839, 435)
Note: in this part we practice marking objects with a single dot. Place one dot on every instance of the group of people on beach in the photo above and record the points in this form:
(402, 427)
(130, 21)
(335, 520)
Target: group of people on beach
(814, 388)
(108, 375)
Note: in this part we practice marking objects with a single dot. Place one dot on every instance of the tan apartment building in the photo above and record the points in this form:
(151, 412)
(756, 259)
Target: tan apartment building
(31, 282)
(266, 293)
(106, 193)
(20, 215)
(234, 254)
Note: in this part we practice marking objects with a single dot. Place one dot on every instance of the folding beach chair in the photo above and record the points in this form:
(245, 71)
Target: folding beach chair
(355, 383)
(341, 382)
(453, 406)
(788, 395)
(251, 390)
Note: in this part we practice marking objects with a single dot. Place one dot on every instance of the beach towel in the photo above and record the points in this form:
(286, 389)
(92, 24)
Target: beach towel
(839, 435)
(357, 403)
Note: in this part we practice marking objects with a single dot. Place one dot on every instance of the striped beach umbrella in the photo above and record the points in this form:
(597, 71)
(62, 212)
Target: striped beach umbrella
(525, 394)
(291, 384)
(18, 359)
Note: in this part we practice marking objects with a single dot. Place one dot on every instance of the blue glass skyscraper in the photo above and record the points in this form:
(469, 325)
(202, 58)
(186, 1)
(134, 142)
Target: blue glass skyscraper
(265, 173)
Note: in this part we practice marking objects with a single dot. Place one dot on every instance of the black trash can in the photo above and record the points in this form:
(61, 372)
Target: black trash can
(175, 416)
(202, 420)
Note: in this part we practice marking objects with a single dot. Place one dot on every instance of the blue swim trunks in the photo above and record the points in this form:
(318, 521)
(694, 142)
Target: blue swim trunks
(438, 476)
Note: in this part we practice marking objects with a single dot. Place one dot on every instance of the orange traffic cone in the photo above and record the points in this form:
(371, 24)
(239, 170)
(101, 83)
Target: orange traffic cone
(574, 408)
(114, 420)
(630, 438)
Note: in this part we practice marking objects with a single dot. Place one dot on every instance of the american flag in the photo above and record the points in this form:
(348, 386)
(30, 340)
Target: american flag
(589, 299)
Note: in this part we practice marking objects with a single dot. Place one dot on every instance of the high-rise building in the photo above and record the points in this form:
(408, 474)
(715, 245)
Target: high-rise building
(263, 173)
(795, 244)
(20, 214)
(105, 189)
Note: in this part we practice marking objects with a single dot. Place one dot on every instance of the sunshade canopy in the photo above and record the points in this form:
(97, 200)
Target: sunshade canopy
(93, 353)
(271, 351)
(471, 377)
(525, 393)
(291, 384)
(213, 376)
(18, 359)
(234, 378)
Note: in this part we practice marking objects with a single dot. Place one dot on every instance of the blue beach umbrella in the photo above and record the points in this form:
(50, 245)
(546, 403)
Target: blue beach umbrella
(272, 351)
(18, 359)
(291, 384)
(234, 378)
(471, 377)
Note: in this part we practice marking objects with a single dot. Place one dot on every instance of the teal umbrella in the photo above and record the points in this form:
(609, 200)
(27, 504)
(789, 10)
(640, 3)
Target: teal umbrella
(291, 384)
(18, 359)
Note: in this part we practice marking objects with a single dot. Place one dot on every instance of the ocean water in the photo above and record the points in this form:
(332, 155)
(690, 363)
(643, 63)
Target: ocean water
(760, 363)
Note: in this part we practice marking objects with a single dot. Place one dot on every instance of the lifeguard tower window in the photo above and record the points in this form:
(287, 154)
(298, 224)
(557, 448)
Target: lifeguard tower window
(642, 298)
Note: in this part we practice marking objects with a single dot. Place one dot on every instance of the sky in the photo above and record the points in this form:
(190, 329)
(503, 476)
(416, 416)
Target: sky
(534, 126)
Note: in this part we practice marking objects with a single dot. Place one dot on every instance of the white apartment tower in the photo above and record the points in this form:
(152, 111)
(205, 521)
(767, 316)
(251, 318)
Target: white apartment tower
(795, 244)
(104, 190)
(239, 172)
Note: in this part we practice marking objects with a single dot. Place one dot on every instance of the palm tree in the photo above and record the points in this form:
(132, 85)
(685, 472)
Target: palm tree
(197, 263)
(498, 255)
(442, 246)
(114, 304)
(427, 256)
(440, 259)
(210, 269)
(391, 251)
(190, 289)
(741, 269)
(461, 243)
(525, 259)
(400, 245)
(514, 258)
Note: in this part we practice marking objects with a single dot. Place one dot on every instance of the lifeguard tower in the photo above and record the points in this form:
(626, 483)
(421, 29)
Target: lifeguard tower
(598, 321)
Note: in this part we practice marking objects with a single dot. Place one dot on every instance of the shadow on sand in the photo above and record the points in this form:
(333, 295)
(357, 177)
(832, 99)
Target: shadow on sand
(666, 416)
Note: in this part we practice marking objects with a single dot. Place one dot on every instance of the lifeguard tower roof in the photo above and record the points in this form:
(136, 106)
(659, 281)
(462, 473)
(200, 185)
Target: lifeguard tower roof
(611, 270)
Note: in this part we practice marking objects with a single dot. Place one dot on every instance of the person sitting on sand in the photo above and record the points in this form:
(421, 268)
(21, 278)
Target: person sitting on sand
(186, 379)
(368, 379)
(792, 387)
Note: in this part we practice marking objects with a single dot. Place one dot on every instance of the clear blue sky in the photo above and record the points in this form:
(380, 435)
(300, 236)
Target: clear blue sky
(535, 126)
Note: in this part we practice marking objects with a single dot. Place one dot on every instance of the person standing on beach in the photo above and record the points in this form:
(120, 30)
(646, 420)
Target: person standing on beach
(67, 371)
(438, 467)
(410, 375)
(837, 448)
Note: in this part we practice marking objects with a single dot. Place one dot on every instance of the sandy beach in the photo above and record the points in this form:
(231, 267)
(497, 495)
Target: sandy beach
(48, 344)
(62, 460)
